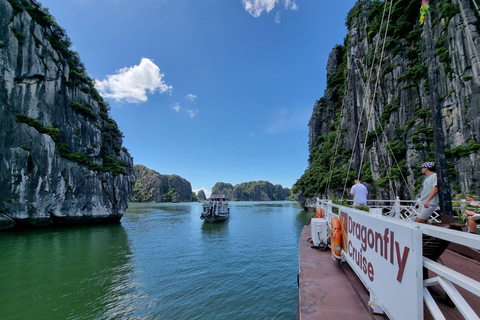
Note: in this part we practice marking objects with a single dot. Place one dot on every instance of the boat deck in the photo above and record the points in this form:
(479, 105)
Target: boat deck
(328, 290)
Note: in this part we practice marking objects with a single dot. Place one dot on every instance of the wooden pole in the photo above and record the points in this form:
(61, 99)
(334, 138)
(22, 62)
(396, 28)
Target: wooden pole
(443, 180)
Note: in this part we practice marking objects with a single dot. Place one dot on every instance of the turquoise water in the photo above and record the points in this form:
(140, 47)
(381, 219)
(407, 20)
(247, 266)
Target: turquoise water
(161, 262)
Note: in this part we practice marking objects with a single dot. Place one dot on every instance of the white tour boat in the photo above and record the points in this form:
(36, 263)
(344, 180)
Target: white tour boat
(215, 208)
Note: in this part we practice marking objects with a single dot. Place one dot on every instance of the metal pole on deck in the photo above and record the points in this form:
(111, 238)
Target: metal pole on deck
(355, 117)
(443, 179)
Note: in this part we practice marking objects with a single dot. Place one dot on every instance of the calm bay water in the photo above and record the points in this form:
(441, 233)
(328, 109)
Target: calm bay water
(162, 262)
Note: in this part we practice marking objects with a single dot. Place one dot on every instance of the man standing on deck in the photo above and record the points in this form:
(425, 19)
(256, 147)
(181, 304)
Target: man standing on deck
(428, 201)
(359, 193)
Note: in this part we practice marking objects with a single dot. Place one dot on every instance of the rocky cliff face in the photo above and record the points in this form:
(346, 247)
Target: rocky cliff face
(151, 186)
(223, 188)
(393, 98)
(201, 195)
(252, 191)
(61, 156)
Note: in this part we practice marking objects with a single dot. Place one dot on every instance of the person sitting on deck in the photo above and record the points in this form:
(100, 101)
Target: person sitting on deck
(429, 196)
(472, 216)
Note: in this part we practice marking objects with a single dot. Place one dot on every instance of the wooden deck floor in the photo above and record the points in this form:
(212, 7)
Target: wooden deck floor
(331, 291)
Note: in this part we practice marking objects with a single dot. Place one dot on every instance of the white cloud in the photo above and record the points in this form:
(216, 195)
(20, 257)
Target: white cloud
(208, 193)
(131, 84)
(192, 113)
(256, 7)
(277, 17)
(178, 108)
(191, 97)
(291, 4)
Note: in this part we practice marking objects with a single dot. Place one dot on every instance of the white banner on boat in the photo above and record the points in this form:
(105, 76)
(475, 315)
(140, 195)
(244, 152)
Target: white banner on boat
(387, 256)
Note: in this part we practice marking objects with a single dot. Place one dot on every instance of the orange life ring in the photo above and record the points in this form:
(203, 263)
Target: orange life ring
(319, 213)
(336, 238)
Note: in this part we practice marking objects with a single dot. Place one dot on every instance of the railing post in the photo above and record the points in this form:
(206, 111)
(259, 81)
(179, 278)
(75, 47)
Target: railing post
(397, 207)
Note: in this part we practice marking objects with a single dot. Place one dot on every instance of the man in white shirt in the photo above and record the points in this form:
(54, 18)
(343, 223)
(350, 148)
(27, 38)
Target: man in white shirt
(359, 193)
(429, 196)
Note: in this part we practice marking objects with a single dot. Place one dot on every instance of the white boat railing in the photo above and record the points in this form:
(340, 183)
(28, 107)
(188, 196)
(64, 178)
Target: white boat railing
(407, 209)
(403, 214)
(446, 277)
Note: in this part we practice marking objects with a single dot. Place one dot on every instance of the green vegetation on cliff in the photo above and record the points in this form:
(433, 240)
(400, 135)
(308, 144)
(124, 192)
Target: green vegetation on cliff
(396, 131)
(151, 186)
(252, 191)
(112, 136)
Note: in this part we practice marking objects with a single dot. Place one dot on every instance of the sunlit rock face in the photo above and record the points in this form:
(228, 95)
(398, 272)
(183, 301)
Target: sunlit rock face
(252, 191)
(201, 195)
(394, 106)
(61, 156)
(151, 186)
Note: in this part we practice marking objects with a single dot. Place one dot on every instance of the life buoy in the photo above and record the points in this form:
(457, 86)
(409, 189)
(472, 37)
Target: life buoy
(336, 238)
(319, 213)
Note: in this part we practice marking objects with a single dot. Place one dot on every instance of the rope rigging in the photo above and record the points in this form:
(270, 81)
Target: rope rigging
(386, 154)
(358, 127)
(368, 108)
(371, 112)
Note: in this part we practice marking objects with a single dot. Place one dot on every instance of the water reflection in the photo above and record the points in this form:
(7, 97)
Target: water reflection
(162, 262)
(266, 207)
(215, 227)
(303, 217)
(167, 208)
(64, 273)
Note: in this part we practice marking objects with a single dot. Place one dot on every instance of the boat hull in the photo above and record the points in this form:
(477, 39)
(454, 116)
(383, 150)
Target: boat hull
(213, 218)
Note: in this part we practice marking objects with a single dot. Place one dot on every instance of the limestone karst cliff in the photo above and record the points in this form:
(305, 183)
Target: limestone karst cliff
(252, 191)
(388, 78)
(151, 186)
(201, 195)
(223, 188)
(61, 155)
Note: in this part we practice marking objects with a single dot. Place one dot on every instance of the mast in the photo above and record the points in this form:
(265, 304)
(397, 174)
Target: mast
(443, 180)
(355, 117)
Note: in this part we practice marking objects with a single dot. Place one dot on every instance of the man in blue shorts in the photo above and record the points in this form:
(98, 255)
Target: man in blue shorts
(428, 201)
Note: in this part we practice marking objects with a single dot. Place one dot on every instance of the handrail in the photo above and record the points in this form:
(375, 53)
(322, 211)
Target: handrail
(406, 209)
(463, 238)
(445, 276)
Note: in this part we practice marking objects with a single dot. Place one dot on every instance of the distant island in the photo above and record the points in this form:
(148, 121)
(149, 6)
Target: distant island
(252, 191)
(151, 186)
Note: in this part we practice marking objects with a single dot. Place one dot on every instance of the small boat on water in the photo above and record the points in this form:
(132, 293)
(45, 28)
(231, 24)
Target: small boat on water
(215, 208)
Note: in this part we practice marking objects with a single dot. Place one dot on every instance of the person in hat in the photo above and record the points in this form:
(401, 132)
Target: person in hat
(428, 201)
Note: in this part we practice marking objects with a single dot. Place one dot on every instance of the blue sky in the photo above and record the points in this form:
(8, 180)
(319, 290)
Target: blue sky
(210, 90)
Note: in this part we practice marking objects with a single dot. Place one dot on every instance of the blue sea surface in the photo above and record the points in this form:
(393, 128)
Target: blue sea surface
(161, 262)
